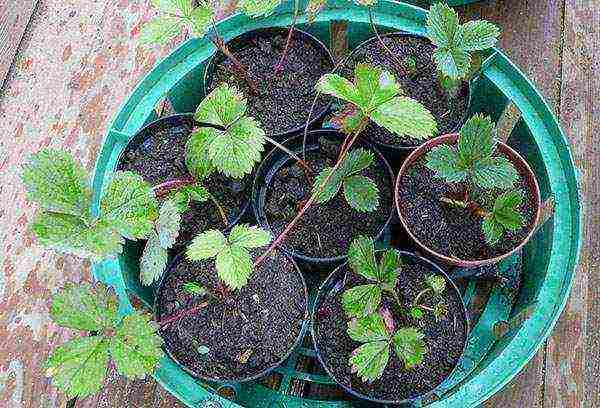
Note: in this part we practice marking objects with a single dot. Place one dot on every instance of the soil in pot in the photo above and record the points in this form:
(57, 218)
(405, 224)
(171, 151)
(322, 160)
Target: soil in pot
(326, 230)
(285, 99)
(161, 158)
(451, 231)
(252, 330)
(424, 86)
(444, 338)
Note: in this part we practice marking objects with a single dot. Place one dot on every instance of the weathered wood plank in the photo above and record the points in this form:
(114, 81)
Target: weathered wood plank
(572, 362)
(14, 19)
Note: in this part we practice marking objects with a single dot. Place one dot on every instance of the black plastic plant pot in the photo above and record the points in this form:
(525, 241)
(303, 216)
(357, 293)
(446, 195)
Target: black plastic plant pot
(329, 323)
(286, 95)
(157, 153)
(278, 161)
(187, 337)
(400, 151)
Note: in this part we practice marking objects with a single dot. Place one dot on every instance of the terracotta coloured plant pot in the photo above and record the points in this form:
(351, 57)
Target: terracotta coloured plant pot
(522, 167)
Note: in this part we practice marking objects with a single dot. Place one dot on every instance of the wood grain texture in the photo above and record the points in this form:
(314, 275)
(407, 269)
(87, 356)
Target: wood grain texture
(14, 19)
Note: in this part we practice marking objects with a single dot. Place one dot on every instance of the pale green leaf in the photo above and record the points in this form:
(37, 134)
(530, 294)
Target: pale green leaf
(68, 234)
(136, 346)
(442, 25)
(249, 237)
(194, 289)
(129, 205)
(340, 87)
(361, 193)
(404, 116)
(443, 160)
(356, 161)
(206, 245)
(476, 139)
(78, 367)
(258, 8)
(495, 172)
(160, 30)
(361, 300)
(197, 157)
(326, 191)
(153, 261)
(369, 360)
(390, 265)
(82, 307)
(222, 107)
(200, 19)
(506, 210)
(168, 223)
(409, 346)
(368, 328)
(177, 7)
(477, 35)
(234, 266)
(361, 258)
(437, 283)
(57, 183)
(453, 62)
(375, 86)
(492, 230)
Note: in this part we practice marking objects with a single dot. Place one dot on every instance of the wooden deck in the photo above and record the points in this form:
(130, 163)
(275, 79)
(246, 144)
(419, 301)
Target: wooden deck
(67, 65)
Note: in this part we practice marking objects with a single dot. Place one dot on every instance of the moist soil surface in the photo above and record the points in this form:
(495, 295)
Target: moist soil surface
(423, 85)
(248, 332)
(161, 157)
(285, 99)
(451, 231)
(325, 230)
(444, 338)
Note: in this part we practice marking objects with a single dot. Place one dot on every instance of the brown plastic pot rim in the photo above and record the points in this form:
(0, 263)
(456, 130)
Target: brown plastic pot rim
(515, 158)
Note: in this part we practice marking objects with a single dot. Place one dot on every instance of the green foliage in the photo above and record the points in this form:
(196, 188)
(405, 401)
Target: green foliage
(409, 346)
(183, 196)
(360, 192)
(365, 299)
(504, 217)
(472, 160)
(235, 147)
(258, 8)
(456, 43)
(437, 283)
(232, 259)
(377, 95)
(178, 14)
(60, 186)
(194, 289)
(79, 367)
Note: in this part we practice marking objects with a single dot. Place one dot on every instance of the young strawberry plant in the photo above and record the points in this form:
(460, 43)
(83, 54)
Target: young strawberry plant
(79, 367)
(436, 285)
(473, 164)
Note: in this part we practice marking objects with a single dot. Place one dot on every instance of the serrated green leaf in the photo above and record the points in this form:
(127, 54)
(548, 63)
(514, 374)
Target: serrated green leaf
(160, 30)
(313, 8)
(375, 86)
(443, 160)
(195, 289)
(258, 8)
(416, 312)
(129, 205)
(153, 261)
(356, 161)
(409, 346)
(340, 87)
(453, 62)
(361, 258)
(368, 328)
(249, 237)
(477, 35)
(361, 300)
(492, 230)
(136, 346)
(236, 151)
(439, 311)
(369, 360)
(404, 116)
(173, 6)
(68, 234)
(197, 158)
(234, 266)
(200, 19)
(437, 283)
(442, 25)
(326, 191)
(81, 307)
(206, 245)
(506, 210)
(57, 183)
(197, 192)
(476, 140)
(78, 367)
(495, 172)
(222, 107)
(361, 193)
(389, 267)
(168, 223)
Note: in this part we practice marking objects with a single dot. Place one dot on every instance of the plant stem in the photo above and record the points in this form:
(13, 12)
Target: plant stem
(279, 66)
(454, 203)
(220, 210)
(420, 295)
(313, 197)
(399, 64)
(467, 205)
(290, 153)
(175, 317)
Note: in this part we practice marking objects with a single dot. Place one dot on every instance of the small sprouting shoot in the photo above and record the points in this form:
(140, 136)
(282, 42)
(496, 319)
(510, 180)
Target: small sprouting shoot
(132, 344)
(232, 257)
(436, 285)
(473, 162)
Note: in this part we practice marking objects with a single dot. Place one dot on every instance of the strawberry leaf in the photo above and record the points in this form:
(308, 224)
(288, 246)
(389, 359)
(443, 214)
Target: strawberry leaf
(206, 245)
(437, 283)
(249, 237)
(368, 328)
(153, 261)
(361, 300)
(409, 346)
(389, 267)
(369, 360)
(361, 193)
(258, 8)
(161, 30)
(361, 258)
(168, 223)
(234, 266)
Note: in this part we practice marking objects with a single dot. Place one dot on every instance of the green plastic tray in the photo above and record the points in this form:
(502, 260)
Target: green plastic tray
(540, 276)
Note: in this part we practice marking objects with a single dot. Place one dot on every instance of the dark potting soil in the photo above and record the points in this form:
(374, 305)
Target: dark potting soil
(242, 336)
(285, 99)
(327, 229)
(444, 339)
(423, 86)
(455, 232)
(161, 158)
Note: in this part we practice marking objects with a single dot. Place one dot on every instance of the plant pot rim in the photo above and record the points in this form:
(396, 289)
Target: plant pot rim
(305, 321)
(316, 116)
(403, 148)
(514, 157)
(259, 180)
(433, 267)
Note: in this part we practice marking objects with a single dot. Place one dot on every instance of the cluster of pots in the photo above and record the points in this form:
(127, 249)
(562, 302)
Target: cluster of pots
(330, 265)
